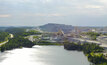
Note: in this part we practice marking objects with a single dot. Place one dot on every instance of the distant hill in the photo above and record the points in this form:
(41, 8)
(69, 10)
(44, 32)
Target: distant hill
(52, 27)
(3, 28)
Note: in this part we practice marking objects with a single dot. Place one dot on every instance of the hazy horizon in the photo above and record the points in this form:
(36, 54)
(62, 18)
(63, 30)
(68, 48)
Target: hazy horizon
(50, 23)
(40, 12)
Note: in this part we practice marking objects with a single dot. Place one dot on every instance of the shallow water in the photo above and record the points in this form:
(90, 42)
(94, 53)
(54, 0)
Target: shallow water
(43, 55)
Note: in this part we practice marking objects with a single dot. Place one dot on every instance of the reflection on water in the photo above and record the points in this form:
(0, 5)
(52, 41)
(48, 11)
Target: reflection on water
(43, 55)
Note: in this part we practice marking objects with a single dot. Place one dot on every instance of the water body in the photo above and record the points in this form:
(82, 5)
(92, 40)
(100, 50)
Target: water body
(43, 55)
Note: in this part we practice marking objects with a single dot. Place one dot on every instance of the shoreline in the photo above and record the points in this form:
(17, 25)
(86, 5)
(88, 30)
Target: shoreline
(94, 53)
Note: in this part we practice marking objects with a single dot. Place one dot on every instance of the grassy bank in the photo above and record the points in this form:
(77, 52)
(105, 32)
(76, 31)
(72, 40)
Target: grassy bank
(49, 44)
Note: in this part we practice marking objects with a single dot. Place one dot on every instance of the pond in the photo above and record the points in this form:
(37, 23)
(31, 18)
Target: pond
(43, 55)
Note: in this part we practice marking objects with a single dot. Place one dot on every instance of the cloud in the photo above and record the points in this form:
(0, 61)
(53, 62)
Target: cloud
(46, 1)
(15, 1)
(5, 15)
(55, 15)
(52, 10)
(93, 6)
(44, 15)
(103, 1)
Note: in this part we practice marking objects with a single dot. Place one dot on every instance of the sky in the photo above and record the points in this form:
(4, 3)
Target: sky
(40, 12)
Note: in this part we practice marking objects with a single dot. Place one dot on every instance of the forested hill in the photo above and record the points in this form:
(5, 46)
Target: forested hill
(19, 40)
(3, 36)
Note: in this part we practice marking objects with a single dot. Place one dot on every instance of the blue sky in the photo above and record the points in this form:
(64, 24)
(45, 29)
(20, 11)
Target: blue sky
(39, 12)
